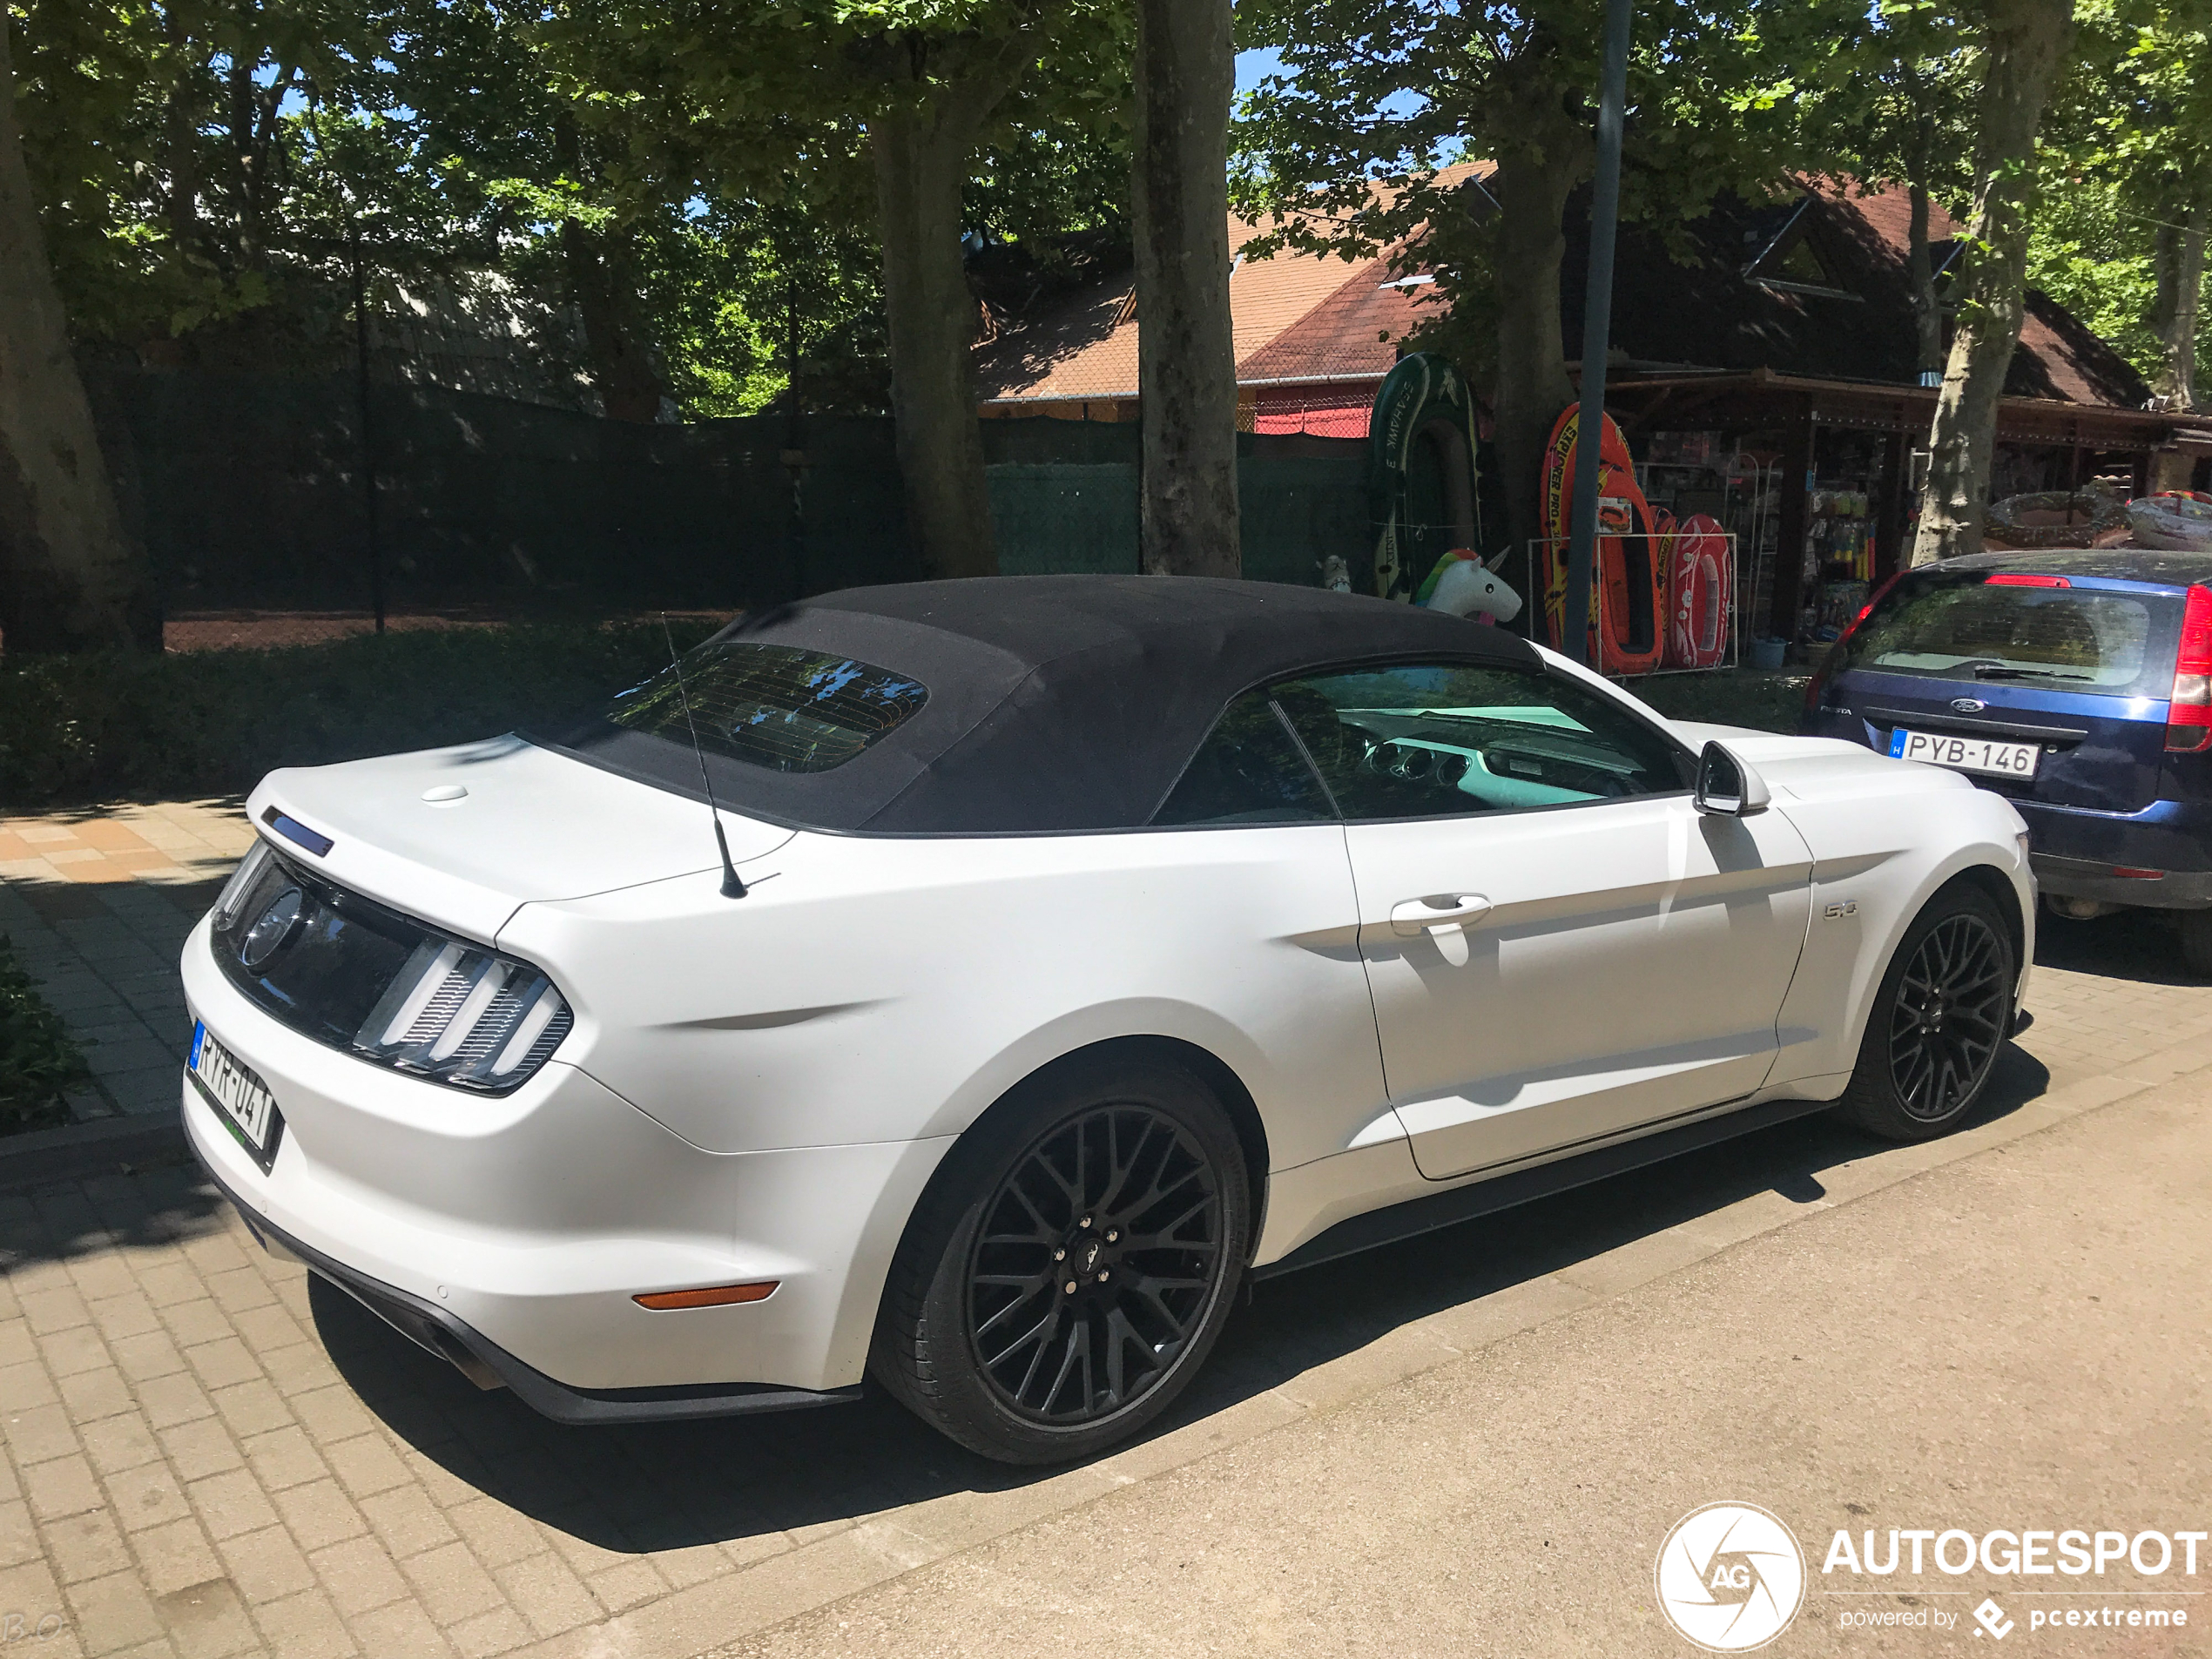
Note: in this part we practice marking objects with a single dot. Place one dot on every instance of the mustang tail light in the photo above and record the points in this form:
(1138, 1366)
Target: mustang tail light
(461, 1015)
(2188, 721)
(1833, 660)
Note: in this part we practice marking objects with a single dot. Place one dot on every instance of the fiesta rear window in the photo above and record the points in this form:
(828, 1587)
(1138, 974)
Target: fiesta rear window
(2073, 639)
(775, 706)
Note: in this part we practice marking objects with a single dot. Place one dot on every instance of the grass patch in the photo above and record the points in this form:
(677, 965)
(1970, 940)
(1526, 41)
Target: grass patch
(38, 1059)
(1728, 697)
(105, 726)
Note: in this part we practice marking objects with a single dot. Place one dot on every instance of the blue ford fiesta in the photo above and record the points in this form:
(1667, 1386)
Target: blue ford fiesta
(2076, 683)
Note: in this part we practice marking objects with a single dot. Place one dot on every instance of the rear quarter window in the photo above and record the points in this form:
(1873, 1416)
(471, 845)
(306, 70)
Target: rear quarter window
(2101, 642)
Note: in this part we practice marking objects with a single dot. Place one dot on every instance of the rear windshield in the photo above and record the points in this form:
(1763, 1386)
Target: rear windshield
(2074, 639)
(775, 706)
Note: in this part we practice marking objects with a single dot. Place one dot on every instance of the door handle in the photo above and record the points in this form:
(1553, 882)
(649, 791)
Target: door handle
(1439, 913)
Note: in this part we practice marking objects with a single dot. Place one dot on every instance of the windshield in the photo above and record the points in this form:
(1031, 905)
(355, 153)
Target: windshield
(773, 705)
(2076, 639)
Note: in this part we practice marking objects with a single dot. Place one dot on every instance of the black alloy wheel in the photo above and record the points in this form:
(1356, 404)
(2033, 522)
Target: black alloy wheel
(1939, 1019)
(1093, 1265)
(1071, 1263)
(1948, 1018)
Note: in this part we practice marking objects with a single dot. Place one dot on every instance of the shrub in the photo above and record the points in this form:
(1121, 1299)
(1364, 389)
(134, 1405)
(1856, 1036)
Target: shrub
(38, 1059)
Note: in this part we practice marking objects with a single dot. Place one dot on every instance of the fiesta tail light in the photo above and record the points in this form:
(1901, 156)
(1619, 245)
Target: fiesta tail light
(1833, 660)
(2189, 718)
(2018, 579)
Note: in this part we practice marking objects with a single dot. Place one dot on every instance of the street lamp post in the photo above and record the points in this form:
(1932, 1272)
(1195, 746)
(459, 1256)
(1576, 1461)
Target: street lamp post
(1597, 320)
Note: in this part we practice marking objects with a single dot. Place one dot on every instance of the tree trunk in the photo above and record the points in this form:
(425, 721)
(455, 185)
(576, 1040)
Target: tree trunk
(604, 292)
(71, 577)
(181, 139)
(1927, 314)
(1534, 179)
(2181, 286)
(1186, 351)
(920, 154)
(2027, 41)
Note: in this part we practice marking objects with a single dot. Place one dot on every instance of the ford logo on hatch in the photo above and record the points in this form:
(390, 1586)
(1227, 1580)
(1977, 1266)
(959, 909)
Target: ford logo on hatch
(271, 928)
(1968, 705)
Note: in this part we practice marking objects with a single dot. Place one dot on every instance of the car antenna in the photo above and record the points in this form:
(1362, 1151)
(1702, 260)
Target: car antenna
(733, 886)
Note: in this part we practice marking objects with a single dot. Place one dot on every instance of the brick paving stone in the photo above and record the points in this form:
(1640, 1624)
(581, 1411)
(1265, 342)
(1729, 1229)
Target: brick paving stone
(231, 1504)
(208, 1620)
(308, 1627)
(198, 1449)
(266, 1566)
(283, 1458)
(112, 1613)
(86, 1545)
(145, 1357)
(123, 1442)
(404, 1630)
(451, 1583)
(319, 1514)
(62, 1488)
(91, 1395)
(148, 1497)
(358, 1574)
(406, 1521)
(254, 1407)
(176, 1556)
(551, 1597)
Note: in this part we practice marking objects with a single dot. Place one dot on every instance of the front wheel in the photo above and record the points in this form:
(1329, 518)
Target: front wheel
(1070, 1267)
(1942, 1012)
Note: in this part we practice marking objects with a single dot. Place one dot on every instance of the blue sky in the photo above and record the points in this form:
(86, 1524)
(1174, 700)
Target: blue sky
(1251, 66)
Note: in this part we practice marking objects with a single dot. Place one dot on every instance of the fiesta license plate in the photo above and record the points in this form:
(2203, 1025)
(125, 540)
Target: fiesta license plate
(237, 1093)
(1992, 757)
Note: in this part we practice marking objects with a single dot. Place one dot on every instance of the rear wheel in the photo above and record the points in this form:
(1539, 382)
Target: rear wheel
(1070, 1267)
(1943, 1011)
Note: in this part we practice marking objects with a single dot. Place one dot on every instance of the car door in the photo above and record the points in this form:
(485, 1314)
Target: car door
(1559, 945)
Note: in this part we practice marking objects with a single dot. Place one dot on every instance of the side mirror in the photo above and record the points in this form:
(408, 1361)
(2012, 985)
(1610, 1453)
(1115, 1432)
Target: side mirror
(1728, 785)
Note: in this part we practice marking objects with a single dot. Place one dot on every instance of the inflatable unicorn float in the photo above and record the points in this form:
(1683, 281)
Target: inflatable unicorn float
(1459, 586)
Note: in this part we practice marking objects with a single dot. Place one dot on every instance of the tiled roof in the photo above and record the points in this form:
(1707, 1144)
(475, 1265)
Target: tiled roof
(1305, 318)
(1706, 310)
(1294, 314)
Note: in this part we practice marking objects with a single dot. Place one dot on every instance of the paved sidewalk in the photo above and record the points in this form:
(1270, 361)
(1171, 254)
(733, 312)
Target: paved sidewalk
(97, 906)
(2013, 1340)
(208, 1453)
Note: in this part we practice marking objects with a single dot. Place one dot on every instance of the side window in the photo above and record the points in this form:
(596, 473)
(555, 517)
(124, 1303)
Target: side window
(1247, 772)
(1421, 740)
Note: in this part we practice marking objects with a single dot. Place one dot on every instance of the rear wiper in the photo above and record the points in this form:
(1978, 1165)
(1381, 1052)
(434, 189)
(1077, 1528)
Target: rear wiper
(1997, 672)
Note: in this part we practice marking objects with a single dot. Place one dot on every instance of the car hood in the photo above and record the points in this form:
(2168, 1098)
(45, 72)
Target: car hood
(530, 824)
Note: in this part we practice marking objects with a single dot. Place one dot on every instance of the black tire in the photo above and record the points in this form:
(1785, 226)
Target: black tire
(2196, 941)
(1938, 1020)
(978, 1342)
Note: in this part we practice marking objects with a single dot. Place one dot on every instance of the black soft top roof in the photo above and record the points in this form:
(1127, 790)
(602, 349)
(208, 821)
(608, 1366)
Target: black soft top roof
(1056, 703)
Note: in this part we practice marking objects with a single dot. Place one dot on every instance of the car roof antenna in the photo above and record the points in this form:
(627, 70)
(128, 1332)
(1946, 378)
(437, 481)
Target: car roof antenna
(731, 887)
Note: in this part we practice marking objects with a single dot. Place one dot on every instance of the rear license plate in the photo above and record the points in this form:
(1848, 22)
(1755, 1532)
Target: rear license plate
(1992, 757)
(237, 1093)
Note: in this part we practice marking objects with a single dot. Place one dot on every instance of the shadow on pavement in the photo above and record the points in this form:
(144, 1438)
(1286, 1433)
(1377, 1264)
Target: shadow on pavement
(2140, 946)
(669, 1487)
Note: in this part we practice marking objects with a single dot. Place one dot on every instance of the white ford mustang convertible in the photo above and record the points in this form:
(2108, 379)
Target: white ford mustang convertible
(970, 984)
